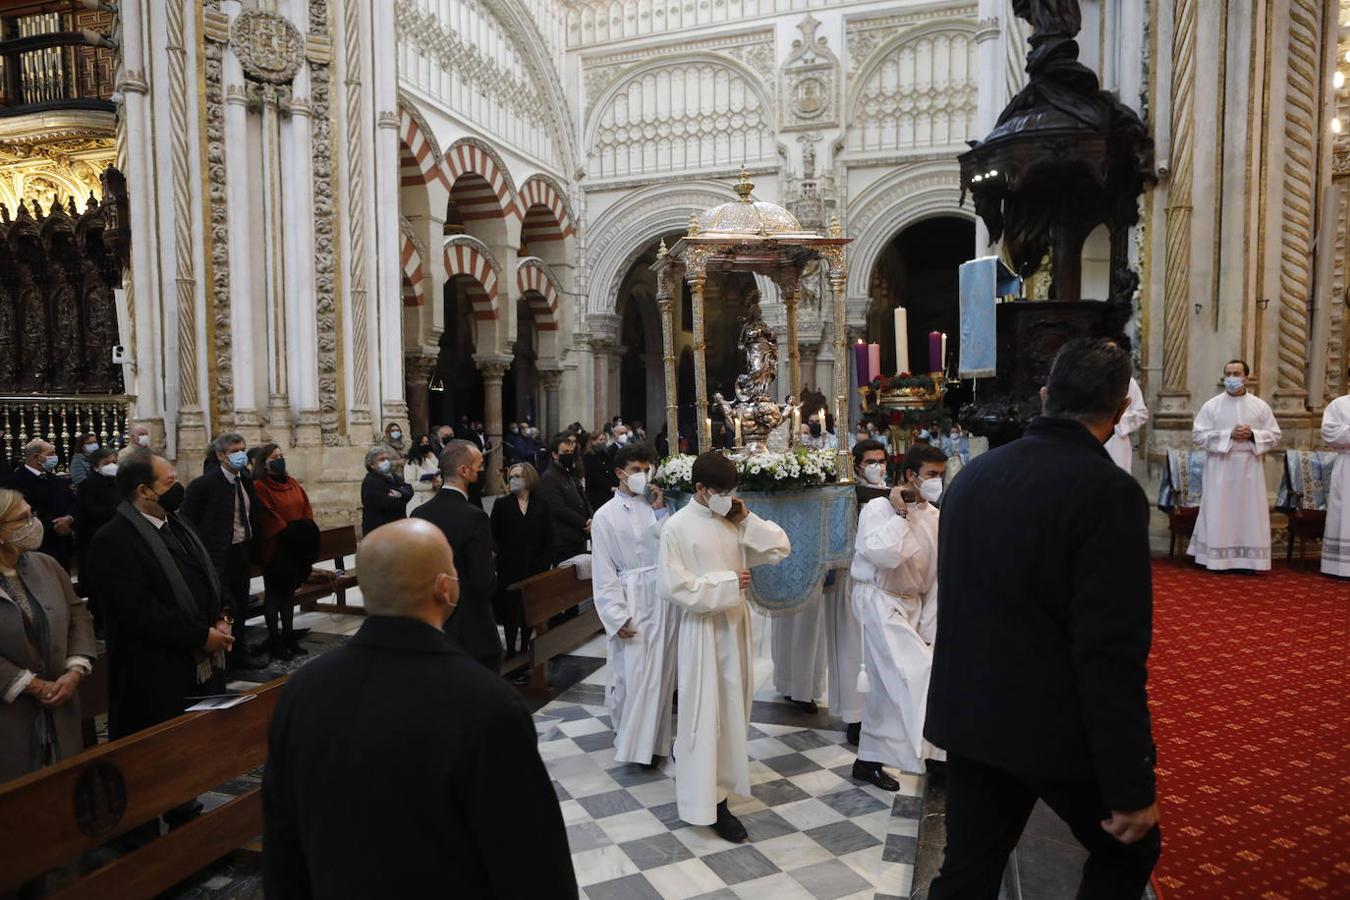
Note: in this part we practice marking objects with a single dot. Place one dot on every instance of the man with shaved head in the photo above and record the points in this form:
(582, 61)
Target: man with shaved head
(397, 766)
(469, 532)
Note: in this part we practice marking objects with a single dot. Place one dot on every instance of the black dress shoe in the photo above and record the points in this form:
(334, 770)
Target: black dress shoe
(854, 733)
(808, 706)
(728, 827)
(279, 651)
(872, 773)
(293, 644)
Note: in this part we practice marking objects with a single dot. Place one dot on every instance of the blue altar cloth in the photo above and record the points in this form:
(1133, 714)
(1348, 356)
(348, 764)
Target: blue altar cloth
(821, 523)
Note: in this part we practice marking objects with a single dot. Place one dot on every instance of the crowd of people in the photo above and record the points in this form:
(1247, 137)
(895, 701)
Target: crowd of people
(1029, 684)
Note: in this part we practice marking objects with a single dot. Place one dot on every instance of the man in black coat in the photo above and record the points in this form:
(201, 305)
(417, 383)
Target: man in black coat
(51, 498)
(223, 509)
(560, 488)
(396, 766)
(1038, 683)
(161, 597)
(469, 532)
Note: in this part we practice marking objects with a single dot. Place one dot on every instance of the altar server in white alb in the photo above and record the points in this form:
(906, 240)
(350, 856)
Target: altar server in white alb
(1134, 418)
(895, 595)
(1336, 541)
(707, 550)
(625, 542)
(1236, 429)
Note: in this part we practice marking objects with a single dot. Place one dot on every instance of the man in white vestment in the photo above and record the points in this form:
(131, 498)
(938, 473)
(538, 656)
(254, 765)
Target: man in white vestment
(707, 550)
(824, 637)
(1236, 429)
(895, 598)
(1134, 418)
(625, 542)
(1336, 541)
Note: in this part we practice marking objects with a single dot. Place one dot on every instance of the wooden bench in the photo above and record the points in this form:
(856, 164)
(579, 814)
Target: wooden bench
(335, 544)
(60, 813)
(547, 595)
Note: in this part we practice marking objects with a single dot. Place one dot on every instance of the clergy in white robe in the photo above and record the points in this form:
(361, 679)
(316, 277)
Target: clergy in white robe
(625, 543)
(1134, 417)
(895, 596)
(707, 549)
(1336, 541)
(1236, 429)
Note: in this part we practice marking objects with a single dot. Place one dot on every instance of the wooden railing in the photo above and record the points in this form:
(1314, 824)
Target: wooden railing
(56, 815)
(60, 420)
(43, 69)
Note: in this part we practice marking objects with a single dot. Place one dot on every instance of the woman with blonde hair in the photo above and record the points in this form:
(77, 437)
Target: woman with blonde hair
(46, 647)
(522, 535)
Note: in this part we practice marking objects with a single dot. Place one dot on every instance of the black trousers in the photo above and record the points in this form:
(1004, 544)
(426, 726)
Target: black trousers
(235, 588)
(987, 808)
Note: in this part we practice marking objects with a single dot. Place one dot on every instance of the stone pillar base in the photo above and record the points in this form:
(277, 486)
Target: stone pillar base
(249, 424)
(192, 436)
(307, 430)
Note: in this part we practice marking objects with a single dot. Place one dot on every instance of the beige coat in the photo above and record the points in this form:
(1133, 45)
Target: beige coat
(72, 630)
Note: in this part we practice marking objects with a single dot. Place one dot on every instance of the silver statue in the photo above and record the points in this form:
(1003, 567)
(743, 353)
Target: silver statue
(755, 413)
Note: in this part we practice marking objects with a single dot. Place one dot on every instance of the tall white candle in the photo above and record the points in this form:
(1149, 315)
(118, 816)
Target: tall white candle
(943, 366)
(901, 340)
(796, 437)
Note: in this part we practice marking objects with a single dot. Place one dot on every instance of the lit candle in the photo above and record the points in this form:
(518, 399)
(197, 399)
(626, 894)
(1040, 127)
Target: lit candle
(860, 360)
(873, 361)
(796, 424)
(901, 341)
(943, 367)
(707, 435)
(934, 351)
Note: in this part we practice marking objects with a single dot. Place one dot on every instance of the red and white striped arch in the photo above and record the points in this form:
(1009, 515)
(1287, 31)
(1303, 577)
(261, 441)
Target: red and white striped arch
(414, 274)
(489, 193)
(418, 153)
(540, 290)
(547, 214)
(467, 257)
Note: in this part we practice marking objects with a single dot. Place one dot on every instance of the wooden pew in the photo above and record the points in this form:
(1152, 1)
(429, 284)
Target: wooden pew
(335, 544)
(60, 813)
(546, 595)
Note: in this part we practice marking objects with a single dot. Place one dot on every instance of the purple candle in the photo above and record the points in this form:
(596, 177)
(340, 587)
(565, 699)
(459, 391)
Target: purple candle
(934, 351)
(860, 357)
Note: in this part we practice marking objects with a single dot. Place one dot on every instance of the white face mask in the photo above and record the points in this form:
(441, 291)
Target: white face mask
(874, 473)
(108, 471)
(637, 482)
(931, 489)
(27, 536)
(720, 503)
(90, 448)
(517, 484)
(396, 435)
(143, 440)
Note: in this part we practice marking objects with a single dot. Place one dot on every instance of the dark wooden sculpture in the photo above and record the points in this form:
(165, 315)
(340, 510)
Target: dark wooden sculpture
(58, 315)
(1064, 158)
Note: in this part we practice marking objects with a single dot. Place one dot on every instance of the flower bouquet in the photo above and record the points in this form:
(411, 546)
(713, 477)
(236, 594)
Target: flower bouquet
(766, 472)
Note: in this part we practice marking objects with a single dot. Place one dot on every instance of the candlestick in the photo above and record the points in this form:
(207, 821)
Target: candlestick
(873, 362)
(796, 424)
(901, 340)
(860, 360)
(934, 350)
(943, 367)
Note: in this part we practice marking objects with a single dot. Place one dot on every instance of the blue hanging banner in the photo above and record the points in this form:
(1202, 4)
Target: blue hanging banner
(983, 281)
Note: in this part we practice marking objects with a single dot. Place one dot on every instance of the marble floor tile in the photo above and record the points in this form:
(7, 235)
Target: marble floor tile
(764, 825)
(632, 887)
(790, 851)
(767, 747)
(744, 806)
(573, 812)
(702, 840)
(610, 803)
(773, 887)
(586, 836)
(578, 727)
(829, 880)
(630, 826)
(791, 764)
(841, 838)
(656, 851)
(854, 802)
(570, 765)
(777, 792)
(820, 783)
(600, 740)
(596, 782)
(559, 749)
(682, 880)
(656, 794)
(831, 755)
(740, 864)
(900, 849)
(804, 740)
(808, 814)
(760, 773)
(602, 864)
(895, 879)
(867, 863)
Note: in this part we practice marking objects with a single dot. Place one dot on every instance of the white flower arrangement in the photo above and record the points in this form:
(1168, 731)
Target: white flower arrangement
(771, 470)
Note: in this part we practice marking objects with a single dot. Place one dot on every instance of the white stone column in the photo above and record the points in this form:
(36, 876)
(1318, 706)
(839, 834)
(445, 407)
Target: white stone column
(991, 96)
(297, 183)
(493, 369)
(389, 279)
(238, 175)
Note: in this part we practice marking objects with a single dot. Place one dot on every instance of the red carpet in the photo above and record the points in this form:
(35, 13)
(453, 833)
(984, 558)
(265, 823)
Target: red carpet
(1248, 686)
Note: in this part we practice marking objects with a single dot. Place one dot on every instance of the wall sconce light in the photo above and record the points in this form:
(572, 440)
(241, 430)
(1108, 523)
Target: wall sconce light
(435, 384)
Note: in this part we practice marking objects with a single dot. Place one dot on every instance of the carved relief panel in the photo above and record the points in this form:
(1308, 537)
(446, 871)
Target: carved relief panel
(809, 82)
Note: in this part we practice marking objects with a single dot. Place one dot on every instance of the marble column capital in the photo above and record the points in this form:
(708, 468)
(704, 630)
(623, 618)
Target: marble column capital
(493, 368)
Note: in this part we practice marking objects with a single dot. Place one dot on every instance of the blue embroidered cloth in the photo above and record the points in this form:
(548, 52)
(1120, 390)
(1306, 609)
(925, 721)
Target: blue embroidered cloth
(1307, 477)
(821, 523)
(1182, 480)
(982, 282)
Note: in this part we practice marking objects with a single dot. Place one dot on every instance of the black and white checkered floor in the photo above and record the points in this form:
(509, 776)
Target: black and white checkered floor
(814, 831)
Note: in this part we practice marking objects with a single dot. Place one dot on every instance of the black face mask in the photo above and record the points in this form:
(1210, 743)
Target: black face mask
(815, 429)
(171, 499)
(566, 460)
(277, 468)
